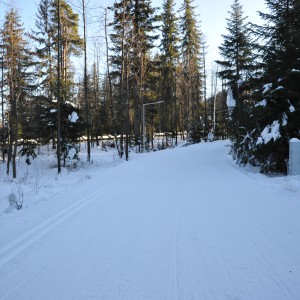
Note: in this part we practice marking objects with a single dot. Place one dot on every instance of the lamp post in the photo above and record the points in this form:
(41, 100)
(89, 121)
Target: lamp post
(144, 128)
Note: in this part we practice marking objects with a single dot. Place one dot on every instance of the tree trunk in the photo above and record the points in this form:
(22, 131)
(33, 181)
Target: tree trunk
(2, 107)
(58, 91)
(110, 85)
(87, 110)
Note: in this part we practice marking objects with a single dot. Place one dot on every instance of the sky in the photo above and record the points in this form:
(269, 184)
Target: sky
(211, 15)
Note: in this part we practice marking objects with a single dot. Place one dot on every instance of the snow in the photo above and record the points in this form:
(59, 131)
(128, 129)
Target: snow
(262, 103)
(292, 108)
(230, 100)
(185, 223)
(70, 103)
(284, 119)
(239, 82)
(294, 140)
(270, 132)
(53, 110)
(73, 117)
(267, 87)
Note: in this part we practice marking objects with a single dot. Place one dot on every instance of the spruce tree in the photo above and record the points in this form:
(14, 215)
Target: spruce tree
(277, 111)
(169, 61)
(45, 68)
(44, 48)
(237, 65)
(133, 37)
(66, 42)
(192, 77)
(122, 46)
(71, 43)
(144, 26)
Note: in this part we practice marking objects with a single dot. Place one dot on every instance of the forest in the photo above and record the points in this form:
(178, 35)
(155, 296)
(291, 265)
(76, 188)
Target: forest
(154, 79)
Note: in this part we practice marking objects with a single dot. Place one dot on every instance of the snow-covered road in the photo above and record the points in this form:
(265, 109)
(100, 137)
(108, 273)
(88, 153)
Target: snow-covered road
(176, 224)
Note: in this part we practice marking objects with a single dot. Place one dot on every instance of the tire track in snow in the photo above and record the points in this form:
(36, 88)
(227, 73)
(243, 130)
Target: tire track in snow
(18, 245)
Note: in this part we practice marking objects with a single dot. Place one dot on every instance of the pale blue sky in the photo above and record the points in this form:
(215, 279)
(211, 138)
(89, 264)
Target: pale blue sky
(212, 15)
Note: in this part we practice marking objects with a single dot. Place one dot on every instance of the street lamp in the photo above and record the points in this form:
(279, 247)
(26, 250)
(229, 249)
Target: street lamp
(144, 128)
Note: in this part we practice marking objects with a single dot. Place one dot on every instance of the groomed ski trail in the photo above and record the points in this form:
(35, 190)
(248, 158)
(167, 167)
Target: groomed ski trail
(178, 224)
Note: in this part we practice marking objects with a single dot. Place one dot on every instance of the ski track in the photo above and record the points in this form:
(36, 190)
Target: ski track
(20, 244)
(143, 236)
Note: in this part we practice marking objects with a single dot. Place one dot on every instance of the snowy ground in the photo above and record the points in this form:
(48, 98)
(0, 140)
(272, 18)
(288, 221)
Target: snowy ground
(184, 224)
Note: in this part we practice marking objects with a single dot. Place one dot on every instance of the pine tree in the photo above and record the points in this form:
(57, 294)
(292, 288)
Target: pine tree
(16, 63)
(3, 130)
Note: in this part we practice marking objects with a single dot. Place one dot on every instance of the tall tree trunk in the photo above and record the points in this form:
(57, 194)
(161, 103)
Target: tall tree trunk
(87, 108)
(205, 93)
(127, 110)
(15, 137)
(176, 106)
(58, 91)
(2, 109)
(112, 119)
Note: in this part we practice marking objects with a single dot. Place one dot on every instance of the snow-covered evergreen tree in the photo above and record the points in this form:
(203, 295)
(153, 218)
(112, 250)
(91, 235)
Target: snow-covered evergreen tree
(277, 112)
(237, 65)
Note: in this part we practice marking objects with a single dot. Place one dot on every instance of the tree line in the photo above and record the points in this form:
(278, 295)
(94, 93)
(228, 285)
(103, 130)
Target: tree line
(155, 70)
(152, 57)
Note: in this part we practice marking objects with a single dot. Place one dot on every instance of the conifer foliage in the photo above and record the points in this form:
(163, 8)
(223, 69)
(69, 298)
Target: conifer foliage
(17, 77)
(277, 108)
(263, 92)
(237, 65)
(281, 90)
(190, 65)
(169, 62)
